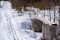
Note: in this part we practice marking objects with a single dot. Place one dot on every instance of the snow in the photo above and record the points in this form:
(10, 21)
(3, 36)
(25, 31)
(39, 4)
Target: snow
(45, 14)
(14, 26)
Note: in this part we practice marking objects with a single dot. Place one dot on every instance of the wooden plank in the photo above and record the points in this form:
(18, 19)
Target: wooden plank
(46, 32)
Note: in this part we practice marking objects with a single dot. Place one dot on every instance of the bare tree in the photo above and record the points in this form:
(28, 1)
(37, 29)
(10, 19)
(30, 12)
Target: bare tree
(59, 12)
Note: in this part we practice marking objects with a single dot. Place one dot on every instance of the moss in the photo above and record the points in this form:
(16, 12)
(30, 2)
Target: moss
(38, 5)
(18, 8)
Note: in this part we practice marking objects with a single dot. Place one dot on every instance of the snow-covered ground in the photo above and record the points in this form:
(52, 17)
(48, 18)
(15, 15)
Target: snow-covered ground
(14, 26)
